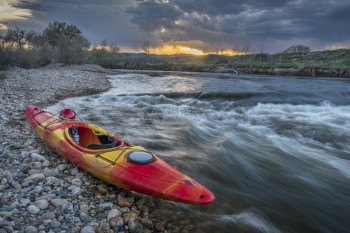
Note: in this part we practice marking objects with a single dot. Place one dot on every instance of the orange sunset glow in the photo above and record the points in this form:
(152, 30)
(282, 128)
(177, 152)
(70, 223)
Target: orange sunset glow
(169, 49)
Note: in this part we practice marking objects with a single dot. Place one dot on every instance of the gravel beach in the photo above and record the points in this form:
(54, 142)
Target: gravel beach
(40, 191)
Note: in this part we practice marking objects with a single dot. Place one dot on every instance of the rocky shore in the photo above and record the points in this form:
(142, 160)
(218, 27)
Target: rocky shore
(40, 191)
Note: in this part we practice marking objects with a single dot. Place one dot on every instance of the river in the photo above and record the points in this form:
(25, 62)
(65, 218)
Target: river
(274, 150)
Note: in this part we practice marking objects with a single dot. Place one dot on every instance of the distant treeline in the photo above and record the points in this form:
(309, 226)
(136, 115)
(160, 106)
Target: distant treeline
(58, 43)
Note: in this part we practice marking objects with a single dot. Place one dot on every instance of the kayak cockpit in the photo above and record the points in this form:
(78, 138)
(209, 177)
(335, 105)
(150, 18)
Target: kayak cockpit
(92, 138)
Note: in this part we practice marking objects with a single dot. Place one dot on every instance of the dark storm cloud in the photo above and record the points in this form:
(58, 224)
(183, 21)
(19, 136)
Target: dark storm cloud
(249, 22)
(269, 24)
(29, 6)
(156, 14)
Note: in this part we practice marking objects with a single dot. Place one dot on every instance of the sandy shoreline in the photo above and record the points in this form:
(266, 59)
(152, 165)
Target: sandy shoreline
(40, 191)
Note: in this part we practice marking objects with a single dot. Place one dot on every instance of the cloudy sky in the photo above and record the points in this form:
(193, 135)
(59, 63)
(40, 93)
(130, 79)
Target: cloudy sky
(209, 25)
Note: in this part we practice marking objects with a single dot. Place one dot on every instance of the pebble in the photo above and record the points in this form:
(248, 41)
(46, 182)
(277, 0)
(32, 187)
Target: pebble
(77, 182)
(59, 202)
(116, 222)
(85, 218)
(49, 215)
(48, 172)
(61, 167)
(74, 171)
(74, 190)
(84, 208)
(126, 201)
(76, 229)
(60, 194)
(37, 157)
(15, 184)
(24, 201)
(3, 181)
(33, 209)
(102, 189)
(113, 213)
(42, 204)
(135, 226)
(46, 196)
(55, 224)
(159, 226)
(106, 206)
(7, 208)
(51, 180)
(46, 163)
(30, 229)
(5, 213)
(33, 177)
(147, 222)
(87, 229)
(129, 215)
(38, 189)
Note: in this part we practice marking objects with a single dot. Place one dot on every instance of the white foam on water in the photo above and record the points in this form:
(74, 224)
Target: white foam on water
(250, 218)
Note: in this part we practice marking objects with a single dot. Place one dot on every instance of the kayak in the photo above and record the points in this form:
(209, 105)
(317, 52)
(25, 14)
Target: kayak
(114, 160)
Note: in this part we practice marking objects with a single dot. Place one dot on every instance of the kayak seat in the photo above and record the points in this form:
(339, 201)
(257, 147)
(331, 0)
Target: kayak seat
(106, 143)
(102, 146)
(88, 139)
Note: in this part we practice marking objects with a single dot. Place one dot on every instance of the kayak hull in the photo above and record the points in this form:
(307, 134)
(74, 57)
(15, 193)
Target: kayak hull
(115, 165)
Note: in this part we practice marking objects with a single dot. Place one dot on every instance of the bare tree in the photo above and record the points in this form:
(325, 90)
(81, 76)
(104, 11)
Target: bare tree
(18, 36)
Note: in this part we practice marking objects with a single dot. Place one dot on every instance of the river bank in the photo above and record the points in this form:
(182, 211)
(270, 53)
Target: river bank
(245, 69)
(332, 63)
(40, 191)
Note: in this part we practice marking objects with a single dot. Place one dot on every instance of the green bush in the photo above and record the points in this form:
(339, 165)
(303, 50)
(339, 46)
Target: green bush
(105, 55)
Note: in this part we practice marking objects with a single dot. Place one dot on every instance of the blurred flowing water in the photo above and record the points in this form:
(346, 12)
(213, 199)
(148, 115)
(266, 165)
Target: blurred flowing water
(274, 150)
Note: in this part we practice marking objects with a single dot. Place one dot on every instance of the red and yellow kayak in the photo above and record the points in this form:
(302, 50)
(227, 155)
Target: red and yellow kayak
(114, 160)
